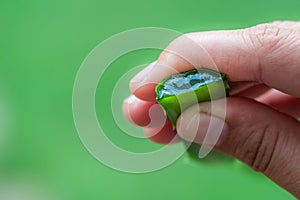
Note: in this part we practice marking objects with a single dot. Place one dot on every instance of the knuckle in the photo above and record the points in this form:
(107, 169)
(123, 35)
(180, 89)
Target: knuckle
(270, 41)
(258, 148)
(267, 36)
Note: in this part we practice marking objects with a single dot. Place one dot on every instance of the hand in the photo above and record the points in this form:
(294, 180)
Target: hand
(261, 127)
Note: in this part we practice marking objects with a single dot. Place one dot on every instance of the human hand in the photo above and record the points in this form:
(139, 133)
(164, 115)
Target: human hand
(261, 127)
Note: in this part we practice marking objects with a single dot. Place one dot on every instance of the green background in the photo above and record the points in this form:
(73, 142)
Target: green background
(42, 46)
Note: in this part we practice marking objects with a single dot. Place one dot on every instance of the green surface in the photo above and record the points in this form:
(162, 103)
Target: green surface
(42, 46)
(174, 100)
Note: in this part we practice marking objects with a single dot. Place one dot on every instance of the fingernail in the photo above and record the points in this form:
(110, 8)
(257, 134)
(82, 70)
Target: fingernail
(152, 74)
(201, 128)
(130, 100)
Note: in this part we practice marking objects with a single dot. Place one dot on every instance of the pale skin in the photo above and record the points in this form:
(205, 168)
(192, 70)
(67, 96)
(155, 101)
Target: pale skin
(261, 127)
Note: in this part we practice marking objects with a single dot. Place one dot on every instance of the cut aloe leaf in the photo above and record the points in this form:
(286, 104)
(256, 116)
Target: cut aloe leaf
(179, 91)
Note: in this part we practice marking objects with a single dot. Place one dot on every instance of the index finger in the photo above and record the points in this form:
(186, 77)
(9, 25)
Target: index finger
(267, 53)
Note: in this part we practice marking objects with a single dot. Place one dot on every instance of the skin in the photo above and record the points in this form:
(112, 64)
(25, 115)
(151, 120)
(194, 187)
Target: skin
(261, 127)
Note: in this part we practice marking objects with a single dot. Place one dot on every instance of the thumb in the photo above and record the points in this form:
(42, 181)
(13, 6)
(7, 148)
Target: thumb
(263, 138)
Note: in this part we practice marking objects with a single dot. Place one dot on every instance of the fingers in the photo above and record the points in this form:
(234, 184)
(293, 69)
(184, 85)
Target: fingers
(150, 114)
(282, 102)
(247, 90)
(136, 111)
(164, 134)
(151, 117)
(267, 53)
(264, 138)
(143, 113)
